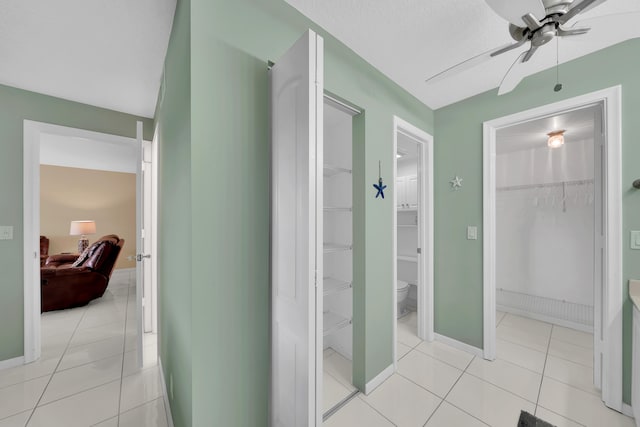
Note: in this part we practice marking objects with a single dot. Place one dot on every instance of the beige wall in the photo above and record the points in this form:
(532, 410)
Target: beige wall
(108, 198)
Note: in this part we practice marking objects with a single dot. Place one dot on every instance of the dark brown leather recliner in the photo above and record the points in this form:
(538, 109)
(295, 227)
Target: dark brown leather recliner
(68, 280)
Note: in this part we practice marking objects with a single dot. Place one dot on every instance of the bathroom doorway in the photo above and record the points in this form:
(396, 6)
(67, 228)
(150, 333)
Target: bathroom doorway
(412, 286)
(583, 183)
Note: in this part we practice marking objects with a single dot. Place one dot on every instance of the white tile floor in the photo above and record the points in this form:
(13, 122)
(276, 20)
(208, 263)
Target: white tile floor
(88, 374)
(541, 368)
(336, 379)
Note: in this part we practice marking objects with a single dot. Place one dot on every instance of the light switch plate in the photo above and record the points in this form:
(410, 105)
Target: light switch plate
(472, 232)
(6, 232)
(635, 239)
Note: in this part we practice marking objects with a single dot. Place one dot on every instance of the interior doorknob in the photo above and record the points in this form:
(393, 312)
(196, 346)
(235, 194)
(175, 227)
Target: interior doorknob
(140, 257)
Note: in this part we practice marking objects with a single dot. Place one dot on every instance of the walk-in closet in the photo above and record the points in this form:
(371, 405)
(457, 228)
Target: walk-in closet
(547, 207)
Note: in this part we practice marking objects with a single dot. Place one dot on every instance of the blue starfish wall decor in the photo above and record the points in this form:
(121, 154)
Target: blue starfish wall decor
(380, 187)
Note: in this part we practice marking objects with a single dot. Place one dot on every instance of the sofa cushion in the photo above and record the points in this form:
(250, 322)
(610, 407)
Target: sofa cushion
(84, 255)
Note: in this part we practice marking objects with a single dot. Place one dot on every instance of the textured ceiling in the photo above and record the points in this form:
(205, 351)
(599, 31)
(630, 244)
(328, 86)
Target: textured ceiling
(104, 53)
(411, 40)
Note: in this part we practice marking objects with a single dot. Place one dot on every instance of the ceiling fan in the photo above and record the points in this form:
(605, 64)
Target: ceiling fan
(536, 22)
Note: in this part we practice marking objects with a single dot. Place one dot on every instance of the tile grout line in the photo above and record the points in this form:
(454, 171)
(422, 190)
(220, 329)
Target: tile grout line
(339, 381)
(554, 355)
(544, 367)
(44, 390)
(124, 344)
(78, 392)
(372, 407)
(444, 399)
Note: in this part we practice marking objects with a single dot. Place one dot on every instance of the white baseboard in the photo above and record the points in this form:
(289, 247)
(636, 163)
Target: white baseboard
(547, 319)
(627, 410)
(11, 363)
(379, 379)
(165, 394)
(460, 345)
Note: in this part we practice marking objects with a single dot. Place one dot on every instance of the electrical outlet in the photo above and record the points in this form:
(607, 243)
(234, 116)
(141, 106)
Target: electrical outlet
(6, 232)
(472, 232)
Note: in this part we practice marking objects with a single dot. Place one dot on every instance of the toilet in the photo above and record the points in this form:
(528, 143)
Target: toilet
(402, 291)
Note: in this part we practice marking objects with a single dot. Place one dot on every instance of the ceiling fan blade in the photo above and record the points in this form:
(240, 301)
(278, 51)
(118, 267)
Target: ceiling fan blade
(513, 11)
(529, 53)
(628, 17)
(471, 62)
(507, 48)
(513, 77)
(572, 32)
(575, 10)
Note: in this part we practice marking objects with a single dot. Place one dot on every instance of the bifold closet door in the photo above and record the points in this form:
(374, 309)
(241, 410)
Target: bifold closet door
(296, 232)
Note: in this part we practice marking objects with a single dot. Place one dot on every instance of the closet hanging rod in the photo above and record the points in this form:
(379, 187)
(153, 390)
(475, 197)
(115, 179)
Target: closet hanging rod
(548, 185)
(342, 105)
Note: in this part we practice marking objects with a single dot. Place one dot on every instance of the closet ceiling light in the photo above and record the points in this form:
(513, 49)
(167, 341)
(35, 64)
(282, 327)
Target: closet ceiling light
(398, 155)
(556, 138)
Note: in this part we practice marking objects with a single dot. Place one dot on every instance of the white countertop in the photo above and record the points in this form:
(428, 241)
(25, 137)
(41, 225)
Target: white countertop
(634, 292)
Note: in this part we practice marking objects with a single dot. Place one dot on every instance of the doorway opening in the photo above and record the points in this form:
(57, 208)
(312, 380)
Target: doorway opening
(552, 233)
(69, 150)
(337, 264)
(412, 238)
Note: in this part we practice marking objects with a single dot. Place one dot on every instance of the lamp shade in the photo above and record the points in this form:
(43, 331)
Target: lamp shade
(81, 228)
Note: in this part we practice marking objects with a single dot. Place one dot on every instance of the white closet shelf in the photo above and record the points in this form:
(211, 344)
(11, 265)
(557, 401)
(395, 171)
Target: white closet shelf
(332, 170)
(333, 285)
(407, 209)
(336, 209)
(407, 225)
(408, 258)
(332, 323)
(336, 247)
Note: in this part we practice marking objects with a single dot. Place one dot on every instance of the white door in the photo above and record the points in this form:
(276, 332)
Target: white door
(142, 256)
(296, 234)
(147, 236)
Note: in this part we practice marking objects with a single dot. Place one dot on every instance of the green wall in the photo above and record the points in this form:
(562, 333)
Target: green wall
(173, 121)
(231, 43)
(458, 150)
(16, 105)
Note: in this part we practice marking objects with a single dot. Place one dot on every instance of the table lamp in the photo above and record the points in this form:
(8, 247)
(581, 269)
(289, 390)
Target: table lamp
(82, 228)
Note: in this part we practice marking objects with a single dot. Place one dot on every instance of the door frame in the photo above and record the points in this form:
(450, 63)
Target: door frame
(609, 297)
(425, 238)
(32, 131)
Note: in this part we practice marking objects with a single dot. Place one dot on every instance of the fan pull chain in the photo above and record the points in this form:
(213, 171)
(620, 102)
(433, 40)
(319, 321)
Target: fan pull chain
(558, 86)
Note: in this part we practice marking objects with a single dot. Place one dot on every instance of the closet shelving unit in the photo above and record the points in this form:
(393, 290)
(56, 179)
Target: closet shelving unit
(331, 170)
(333, 322)
(337, 263)
(334, 286)
(336, 247)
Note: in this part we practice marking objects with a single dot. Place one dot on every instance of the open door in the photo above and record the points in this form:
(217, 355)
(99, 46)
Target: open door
(142, 241)
(296, 234)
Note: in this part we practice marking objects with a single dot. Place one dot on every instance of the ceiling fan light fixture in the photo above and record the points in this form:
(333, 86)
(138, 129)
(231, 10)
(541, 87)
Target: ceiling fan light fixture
(555, 139)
